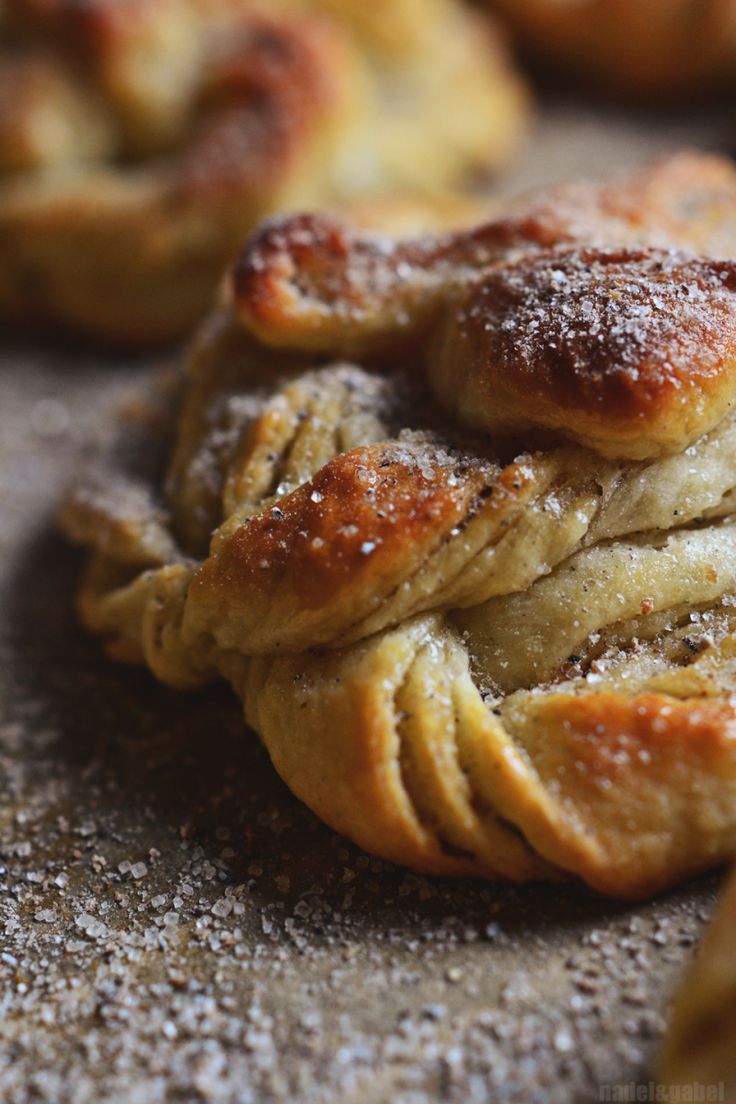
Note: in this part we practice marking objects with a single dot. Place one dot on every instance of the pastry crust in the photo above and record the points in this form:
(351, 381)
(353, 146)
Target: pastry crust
(654, 50)
(140, 141)
(471, 646)
(700, 1047)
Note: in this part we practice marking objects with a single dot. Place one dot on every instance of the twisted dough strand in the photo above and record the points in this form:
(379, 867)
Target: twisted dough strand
(627, 350)
(650, 802)
(313, 282)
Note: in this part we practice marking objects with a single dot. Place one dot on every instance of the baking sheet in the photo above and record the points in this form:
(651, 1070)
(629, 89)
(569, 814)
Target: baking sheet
(174, 926)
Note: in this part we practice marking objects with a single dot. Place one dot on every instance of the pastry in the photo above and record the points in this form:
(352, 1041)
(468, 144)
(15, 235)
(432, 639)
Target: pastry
(651, 50)
(139, 142)
(700, 1048)
(456, 517)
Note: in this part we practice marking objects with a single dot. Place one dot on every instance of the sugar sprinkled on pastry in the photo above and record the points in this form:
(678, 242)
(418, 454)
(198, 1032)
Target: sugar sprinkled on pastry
(140, 141)
(456, 517)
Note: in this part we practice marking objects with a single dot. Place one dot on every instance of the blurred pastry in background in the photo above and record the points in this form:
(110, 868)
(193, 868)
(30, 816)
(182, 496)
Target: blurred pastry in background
(646, 50)
(701, 1046)
(140, 141)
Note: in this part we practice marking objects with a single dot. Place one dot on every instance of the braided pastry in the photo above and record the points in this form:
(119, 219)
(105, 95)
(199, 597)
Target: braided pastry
(700, 1048)
(456, 517)
(645, 49)
(140, 141)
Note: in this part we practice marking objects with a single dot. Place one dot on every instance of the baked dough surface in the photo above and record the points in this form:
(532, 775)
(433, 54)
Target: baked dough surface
(474, 637)
(140, 140)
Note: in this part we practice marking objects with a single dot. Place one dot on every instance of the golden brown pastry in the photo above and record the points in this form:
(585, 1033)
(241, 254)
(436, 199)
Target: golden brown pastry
(140, 141)
(700, 1048)
(456, 517)
(637, 49)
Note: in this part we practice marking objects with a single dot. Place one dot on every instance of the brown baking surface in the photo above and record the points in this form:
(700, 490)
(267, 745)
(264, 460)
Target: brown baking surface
(174, 926)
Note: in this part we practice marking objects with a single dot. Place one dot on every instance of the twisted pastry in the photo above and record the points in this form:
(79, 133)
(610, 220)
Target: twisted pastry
(140, 141)
(700, 1048)
(653, 50)
(474, 637)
